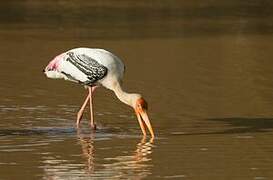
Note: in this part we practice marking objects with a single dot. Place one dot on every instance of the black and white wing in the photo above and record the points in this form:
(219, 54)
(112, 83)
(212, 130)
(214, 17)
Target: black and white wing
(85, 65)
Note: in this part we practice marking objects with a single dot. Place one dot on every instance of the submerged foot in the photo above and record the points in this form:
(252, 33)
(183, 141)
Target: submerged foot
(94, 126)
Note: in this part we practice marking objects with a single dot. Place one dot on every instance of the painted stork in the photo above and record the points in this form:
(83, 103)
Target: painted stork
(93, 68)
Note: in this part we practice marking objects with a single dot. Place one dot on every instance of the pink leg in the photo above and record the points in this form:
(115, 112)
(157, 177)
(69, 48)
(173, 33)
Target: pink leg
(92, 123)
(80, 113)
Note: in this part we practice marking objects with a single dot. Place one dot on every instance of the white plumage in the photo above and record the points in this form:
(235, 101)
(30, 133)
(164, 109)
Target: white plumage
(94, 68)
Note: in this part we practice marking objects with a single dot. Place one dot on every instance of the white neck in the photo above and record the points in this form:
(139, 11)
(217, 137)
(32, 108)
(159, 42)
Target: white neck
(127, 98)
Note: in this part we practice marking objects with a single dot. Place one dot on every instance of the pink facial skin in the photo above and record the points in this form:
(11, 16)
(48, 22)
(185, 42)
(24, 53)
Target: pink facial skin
(53, 64)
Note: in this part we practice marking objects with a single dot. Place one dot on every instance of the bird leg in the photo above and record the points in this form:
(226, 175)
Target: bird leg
(92, 123)
(80, 113)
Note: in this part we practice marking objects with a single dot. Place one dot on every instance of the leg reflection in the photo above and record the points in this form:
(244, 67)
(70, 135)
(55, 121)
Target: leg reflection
(87, 145)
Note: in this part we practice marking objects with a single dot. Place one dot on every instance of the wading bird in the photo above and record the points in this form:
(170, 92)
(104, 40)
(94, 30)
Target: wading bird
(93, 68)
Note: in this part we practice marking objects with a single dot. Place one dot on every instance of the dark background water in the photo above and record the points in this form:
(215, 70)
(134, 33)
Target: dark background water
(205, 67)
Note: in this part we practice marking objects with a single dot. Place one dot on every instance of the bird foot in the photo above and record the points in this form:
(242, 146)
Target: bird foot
(94, 126)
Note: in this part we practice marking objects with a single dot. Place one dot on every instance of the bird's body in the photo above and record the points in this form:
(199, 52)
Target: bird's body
(89, 67)
(93, 68)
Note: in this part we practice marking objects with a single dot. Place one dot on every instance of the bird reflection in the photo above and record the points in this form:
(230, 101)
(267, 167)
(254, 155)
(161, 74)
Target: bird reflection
(116, 163)
(87, 144)
(133, 165)
(144, 148)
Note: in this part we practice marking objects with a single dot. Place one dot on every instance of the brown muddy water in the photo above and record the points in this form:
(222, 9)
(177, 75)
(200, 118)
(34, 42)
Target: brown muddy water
(205, 67)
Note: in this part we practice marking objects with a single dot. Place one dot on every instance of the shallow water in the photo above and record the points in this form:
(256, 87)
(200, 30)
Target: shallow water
(205, 69)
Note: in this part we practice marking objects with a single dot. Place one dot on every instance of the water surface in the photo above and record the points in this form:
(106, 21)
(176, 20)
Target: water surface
(204, 67)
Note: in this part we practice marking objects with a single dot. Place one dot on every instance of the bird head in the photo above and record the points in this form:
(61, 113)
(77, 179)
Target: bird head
(141, 107)
(51, 70)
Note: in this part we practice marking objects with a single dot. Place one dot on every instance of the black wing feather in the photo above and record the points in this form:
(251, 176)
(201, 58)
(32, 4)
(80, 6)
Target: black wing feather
(89, 66)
